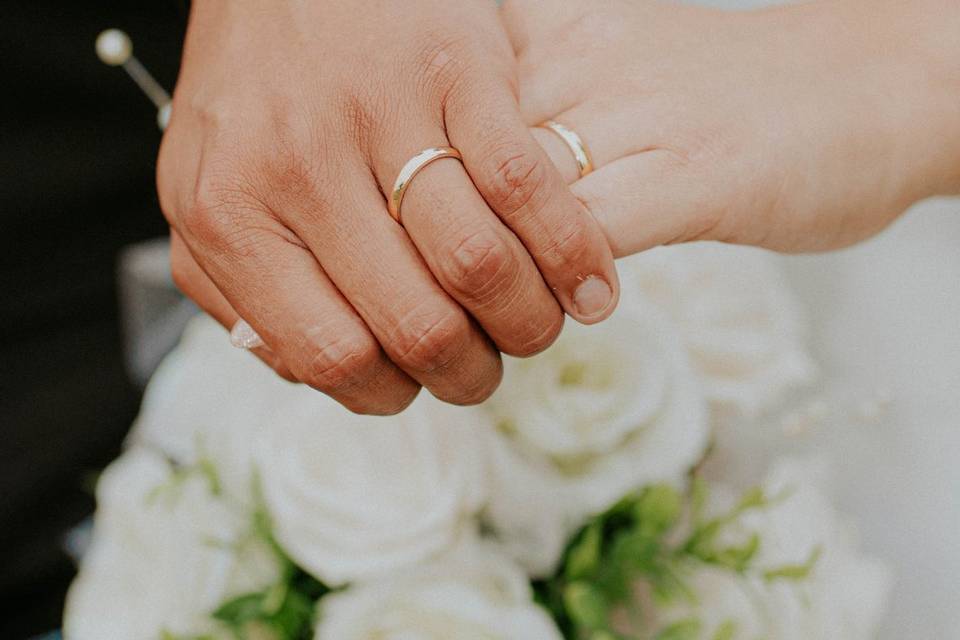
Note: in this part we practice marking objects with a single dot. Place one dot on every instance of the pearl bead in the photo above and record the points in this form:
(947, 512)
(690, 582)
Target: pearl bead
(114, 47)
(163, 116)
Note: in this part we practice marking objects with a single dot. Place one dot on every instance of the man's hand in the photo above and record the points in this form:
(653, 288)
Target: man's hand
(292, 120)
(797, 128)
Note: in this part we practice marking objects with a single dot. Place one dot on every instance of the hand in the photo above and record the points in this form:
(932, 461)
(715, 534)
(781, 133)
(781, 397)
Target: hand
(797, 128)
(289, 124)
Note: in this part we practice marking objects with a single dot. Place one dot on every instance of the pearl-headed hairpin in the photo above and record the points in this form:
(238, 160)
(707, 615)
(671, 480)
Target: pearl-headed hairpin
(115, 49)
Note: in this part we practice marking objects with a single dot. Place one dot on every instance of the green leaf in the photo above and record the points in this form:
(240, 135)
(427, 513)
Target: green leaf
(670, 585)
(699, 496)
(294, 621)
(755, 498)
(632, 553)
(726, 631)
(658, 509)
(208, 470)
(583, 558)
(794, 571)
(737, 558)
(702, 542)
(623, 508)
(604, 635)
(166, 635)
(585, 605)
(687, 629)
(240, 610)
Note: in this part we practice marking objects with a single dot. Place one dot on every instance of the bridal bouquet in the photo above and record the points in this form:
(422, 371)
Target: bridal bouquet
(603, 493)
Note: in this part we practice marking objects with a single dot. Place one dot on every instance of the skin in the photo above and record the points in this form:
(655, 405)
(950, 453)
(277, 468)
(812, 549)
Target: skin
(289, 125)
(799, 128)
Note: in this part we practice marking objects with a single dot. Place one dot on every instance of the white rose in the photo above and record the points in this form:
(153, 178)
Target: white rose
(471, 593)
(737, 314)
(166, 552)
(352, 496)
(842, 597)
(207, 401)
(605, 410)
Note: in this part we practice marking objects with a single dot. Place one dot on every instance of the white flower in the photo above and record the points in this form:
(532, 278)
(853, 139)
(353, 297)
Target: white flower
(207, 402)
(166, 552)
(605, 410)
(353, 496)
(740, 320)
(350, 495)
(842, 597)
(472, 593)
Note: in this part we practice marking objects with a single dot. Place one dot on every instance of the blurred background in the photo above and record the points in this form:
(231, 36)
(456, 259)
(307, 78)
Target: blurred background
(77, 157)
(88, 308)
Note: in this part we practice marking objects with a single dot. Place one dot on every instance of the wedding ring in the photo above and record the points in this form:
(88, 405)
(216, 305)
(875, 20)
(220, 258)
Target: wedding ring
(414, 166)
(580, 152)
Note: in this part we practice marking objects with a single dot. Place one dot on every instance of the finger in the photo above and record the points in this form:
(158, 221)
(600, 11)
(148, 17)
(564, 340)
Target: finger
(642, 193)
(540, 35)
(609, 134)
(374, 264)
(527, 20)
(196, 285)
(559, 153)
(530, 196)
(278, 287)
(650, 199)
(475, 258)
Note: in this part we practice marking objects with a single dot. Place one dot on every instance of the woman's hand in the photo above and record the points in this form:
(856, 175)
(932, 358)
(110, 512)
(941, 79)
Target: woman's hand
(290, 123)
(797, 128)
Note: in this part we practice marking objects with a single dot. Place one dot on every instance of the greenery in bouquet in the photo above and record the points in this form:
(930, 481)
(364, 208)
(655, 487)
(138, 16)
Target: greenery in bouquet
(597, 496)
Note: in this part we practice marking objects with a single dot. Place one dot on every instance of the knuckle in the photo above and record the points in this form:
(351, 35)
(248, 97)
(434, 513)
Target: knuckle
(518, 181)
(343, 364)
(364, 117)
(291, 176)
(568, 248)
(205, 225)
(389, 406)
(208, 217)
(480, 388)
(479, 265)
(545, 335)
(291, 172)
(430, 341)
(440, 64)
(284, 372)
(228, 220)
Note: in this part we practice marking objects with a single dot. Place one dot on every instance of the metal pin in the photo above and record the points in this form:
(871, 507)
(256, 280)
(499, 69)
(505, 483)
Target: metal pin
(115, 49)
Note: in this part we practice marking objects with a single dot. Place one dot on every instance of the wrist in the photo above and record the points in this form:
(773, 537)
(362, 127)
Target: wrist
(919, 47)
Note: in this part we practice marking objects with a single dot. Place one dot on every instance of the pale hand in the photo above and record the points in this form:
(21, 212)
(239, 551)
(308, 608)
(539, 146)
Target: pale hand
(797, 128)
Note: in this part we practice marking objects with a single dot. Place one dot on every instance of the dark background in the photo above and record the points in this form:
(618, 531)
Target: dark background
(77, 157)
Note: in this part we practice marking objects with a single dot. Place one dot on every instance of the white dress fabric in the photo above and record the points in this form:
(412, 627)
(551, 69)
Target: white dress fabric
(886, 319)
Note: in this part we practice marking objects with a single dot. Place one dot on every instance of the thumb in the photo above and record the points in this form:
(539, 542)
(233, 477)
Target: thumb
(641, 201)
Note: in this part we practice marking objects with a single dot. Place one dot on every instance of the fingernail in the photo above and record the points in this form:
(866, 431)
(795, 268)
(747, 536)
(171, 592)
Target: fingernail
(242, 336)
(592, 297)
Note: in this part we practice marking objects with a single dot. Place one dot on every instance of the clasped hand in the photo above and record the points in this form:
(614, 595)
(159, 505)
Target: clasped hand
(291, 123)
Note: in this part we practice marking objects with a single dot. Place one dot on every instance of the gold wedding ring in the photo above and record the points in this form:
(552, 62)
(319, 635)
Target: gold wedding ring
(414, 166)
(580, 152)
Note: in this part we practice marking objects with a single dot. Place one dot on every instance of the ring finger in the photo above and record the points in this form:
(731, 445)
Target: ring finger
(473, 255)
(375, 266)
